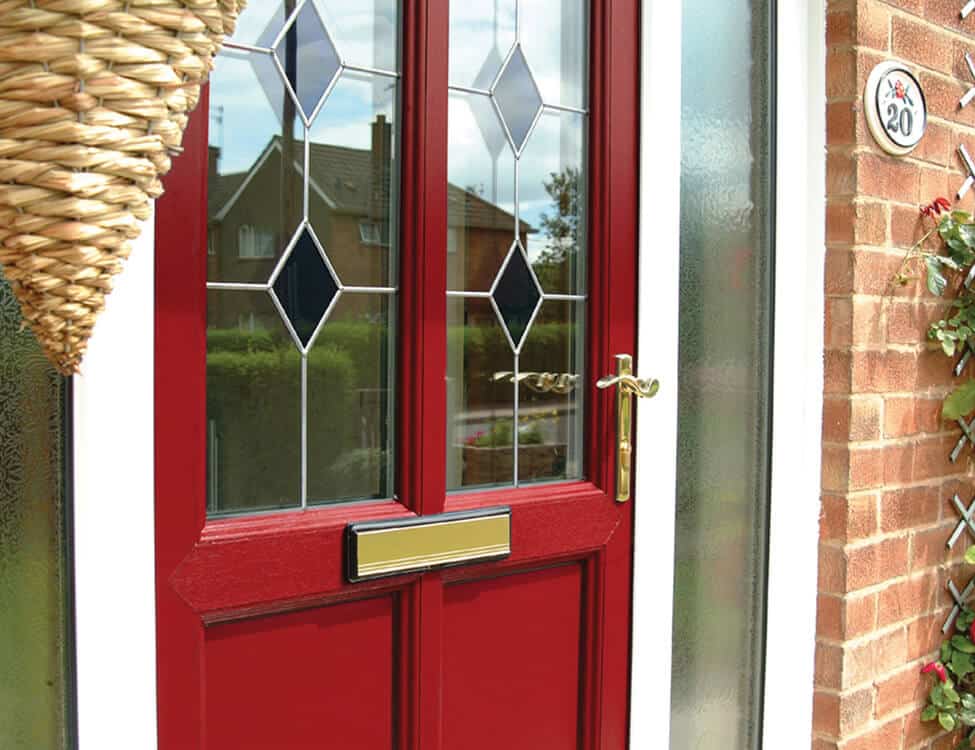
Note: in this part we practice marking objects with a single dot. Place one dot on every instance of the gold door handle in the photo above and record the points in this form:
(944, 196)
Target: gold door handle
(627, 386)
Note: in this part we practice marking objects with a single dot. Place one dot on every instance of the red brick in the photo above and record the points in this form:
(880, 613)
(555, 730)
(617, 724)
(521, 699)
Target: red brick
(841, 123)
(885, 737)
(886, 177)
(863, 661)
(922, 44)
(899, 690)
(873, 25)
(909, 598)
(846, 519)
(909, 508)
(871, 563)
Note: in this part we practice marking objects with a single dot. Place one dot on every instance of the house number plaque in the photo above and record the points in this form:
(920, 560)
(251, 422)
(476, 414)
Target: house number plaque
(896, 110)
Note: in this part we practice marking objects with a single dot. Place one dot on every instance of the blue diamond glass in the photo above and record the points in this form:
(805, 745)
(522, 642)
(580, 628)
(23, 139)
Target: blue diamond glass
(517, 296)
(518, 98)
(309, 58)
(305, 287)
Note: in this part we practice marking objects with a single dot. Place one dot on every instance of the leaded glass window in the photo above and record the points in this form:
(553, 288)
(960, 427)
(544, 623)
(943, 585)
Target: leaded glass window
(516, 256)
(302, 276)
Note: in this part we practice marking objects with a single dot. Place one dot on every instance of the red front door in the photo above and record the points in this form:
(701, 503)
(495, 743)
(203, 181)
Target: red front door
(390, 270)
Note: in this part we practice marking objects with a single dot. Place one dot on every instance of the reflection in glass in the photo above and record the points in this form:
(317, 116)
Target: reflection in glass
(303, 237)
(253, 405)
(517, 97)
(349, 390)
(553, 198)
(555, 37)
(480, 413)
(308, 57)
(366, 32)
(34, 574)
(551, 386)
(256, 182)
(517, 296)
(725, 353)
(481, 35)
(353, 172)
(305, 287)
(480, 193)
(516, 242)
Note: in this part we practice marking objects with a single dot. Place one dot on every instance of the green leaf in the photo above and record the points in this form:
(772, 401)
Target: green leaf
(937, 283)
(930, 713)
(947, 721)
(962, 664)
(951, 694)
(946, 651)
(948, 347)
(968, 701)
(961, 402)
(961, 643)
(938, 697)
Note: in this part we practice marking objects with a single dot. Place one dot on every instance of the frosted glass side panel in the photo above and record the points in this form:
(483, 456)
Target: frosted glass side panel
(33, 565)
(725, 376)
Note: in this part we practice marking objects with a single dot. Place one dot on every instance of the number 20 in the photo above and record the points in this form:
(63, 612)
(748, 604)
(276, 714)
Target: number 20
(900, 120)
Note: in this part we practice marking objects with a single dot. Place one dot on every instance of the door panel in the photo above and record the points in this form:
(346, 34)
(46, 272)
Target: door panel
(512, 649)
(260, 630)
(323, 667)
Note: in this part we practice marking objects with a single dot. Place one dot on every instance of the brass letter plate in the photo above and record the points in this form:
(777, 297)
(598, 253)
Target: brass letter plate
(386, 548)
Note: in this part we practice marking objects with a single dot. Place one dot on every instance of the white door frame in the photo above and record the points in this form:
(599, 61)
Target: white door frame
(114, 454)
(797, 366)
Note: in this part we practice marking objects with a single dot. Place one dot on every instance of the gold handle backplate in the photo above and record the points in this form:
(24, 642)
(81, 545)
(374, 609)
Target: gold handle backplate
(627, 386)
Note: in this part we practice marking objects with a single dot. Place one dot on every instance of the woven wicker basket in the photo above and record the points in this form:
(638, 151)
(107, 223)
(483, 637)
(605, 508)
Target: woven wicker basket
(94, 98)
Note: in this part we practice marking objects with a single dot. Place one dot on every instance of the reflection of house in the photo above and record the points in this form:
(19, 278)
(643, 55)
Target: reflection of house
(254, 214)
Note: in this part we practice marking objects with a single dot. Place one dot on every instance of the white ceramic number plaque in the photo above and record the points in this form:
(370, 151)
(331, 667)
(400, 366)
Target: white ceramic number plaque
(896, 110)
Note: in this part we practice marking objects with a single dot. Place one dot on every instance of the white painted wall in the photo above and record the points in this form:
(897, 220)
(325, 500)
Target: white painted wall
(114, 525)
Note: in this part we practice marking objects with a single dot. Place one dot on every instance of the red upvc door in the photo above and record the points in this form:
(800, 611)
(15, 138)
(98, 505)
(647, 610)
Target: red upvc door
(263, 641)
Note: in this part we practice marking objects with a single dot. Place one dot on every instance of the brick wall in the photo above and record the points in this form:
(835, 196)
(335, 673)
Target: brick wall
(887, 481)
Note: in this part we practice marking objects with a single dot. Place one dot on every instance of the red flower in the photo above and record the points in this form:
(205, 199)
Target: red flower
(936, 207)
(899, 90)
(938, 668)
(971, 632)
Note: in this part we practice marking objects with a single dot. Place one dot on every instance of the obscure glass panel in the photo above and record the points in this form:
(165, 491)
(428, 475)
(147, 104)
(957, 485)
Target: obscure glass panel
(480, 409)
(551, 386)
(518, 99)
(34, 574)
(555, 37)
(553, 198)
(303, 248)
(253, 405)
(353, 178)
(481, 36)
(480, 193)
(517, 177)
(349, 389)
(726, 281)
(256, 183)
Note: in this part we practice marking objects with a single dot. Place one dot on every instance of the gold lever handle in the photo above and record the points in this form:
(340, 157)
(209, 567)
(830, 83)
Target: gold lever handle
(627, 386)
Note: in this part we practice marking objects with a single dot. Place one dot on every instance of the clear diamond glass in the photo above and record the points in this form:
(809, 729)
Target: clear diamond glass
(305, 287)
(518, 98)
(308, 58)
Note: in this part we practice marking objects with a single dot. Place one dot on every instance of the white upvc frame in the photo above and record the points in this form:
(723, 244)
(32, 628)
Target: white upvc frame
(114, 524)
(797, 367)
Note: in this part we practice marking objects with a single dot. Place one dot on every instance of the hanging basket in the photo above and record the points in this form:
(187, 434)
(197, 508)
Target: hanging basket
(94, 98)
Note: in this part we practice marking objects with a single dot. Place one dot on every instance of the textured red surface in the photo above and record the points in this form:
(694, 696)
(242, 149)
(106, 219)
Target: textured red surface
(257, 628)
